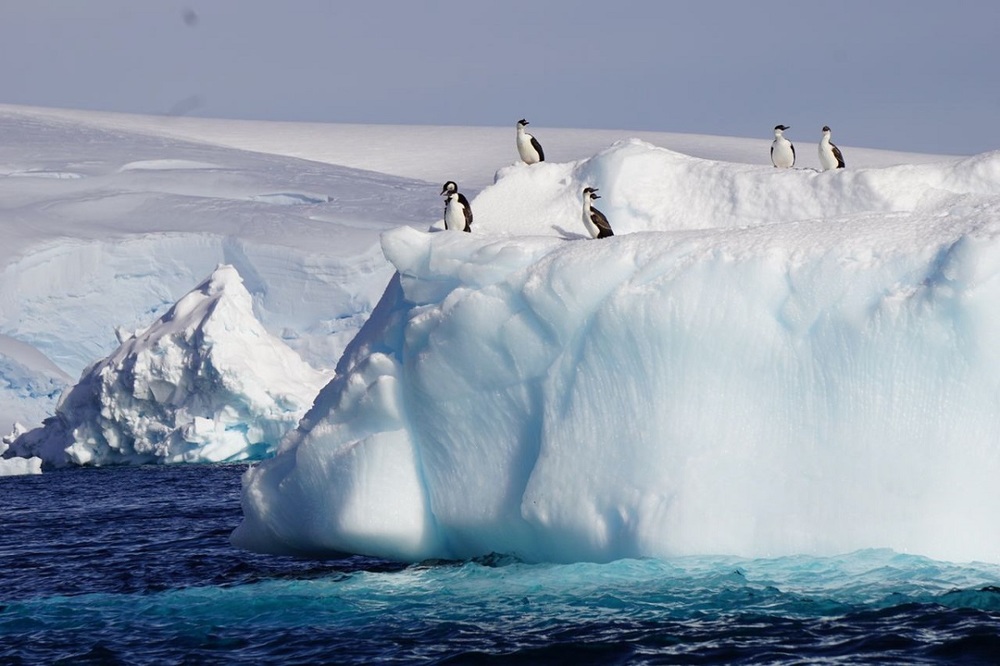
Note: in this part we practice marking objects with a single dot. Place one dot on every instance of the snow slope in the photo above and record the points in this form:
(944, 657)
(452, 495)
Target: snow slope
(468, 155)
(760, 362)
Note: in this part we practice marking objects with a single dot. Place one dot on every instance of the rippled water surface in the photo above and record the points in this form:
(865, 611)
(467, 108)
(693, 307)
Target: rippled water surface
(133, 565)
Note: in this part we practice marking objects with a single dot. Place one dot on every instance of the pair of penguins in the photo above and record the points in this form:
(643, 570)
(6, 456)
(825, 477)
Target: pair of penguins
(783, 152)
(458, 212)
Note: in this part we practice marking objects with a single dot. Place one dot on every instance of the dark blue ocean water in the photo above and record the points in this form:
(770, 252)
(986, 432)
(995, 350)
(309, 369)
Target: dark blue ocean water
(132, 565)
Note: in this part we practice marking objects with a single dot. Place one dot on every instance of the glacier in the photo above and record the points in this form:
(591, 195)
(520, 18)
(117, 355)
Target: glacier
(761, 362)
(204, 383)
(109, 219)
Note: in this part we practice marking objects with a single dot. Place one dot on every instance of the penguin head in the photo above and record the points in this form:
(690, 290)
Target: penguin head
(780, 128)
(591, 193)
(826, 128)
(521, 123)
(449, 187)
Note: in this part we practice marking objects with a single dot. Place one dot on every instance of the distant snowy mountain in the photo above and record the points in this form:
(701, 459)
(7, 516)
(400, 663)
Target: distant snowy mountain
(761, 362)
(204, 383)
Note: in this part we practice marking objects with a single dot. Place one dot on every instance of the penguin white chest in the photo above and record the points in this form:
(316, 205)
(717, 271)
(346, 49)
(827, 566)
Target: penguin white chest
(454, 215)
(827, 160)
(525, 149)
(782, 155)
(588, 223)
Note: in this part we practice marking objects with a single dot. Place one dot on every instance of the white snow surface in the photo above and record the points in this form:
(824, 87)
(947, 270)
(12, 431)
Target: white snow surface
(205, 383)
(761, 362)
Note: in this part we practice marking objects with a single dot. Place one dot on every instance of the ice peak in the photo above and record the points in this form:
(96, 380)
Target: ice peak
(205, 382)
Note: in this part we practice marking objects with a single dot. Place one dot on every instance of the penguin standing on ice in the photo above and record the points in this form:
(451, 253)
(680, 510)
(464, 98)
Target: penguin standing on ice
(597, 225)
(457, 211)
(829, 155)
(782, 150)
(527, 146)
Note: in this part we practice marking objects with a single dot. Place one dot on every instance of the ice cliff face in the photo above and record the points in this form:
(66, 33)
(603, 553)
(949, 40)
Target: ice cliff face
(758, 363)
(204, 383)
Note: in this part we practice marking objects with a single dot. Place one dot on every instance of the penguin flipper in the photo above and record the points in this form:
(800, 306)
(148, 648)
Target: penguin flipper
(538, 147)
(601, 222)
(838, 155)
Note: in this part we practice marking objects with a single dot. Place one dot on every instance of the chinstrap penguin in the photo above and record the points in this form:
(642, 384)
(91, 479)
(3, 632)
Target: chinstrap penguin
(829, 155)
(457, 211)
(527, 146)
(782, 150)
(597, 225)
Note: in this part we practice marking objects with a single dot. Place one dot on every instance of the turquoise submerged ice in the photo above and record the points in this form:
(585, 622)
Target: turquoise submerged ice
(760, 363)
(670, 607)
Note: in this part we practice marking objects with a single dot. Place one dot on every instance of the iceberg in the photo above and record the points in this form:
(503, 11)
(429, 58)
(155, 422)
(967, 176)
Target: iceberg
(761, 362)
(17, 466)
(20, 466)
(204, 383)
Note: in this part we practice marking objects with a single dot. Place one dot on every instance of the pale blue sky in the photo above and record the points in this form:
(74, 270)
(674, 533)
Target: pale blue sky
(908, 75)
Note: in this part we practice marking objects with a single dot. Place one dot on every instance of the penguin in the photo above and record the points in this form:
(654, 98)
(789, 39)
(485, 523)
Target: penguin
(782, 150)
(527, 146)
(457, 211)
(597, 225)
(829, 155)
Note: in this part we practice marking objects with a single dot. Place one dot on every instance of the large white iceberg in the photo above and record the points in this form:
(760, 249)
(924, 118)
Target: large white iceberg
(204, 383)
(761, 362)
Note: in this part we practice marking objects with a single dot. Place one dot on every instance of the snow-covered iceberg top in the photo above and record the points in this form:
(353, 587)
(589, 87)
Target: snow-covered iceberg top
(760, 362)
(204, 383)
